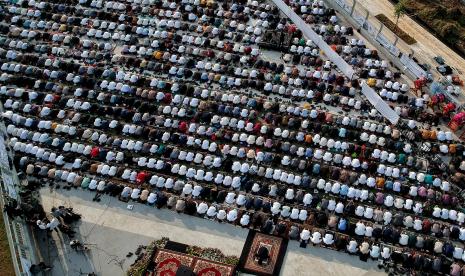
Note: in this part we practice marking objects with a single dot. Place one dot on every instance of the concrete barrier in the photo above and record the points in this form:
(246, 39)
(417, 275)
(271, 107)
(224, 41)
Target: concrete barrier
(346, 69)
(380, 104)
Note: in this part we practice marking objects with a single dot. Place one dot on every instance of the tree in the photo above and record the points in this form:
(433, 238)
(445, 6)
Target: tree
(400, 9)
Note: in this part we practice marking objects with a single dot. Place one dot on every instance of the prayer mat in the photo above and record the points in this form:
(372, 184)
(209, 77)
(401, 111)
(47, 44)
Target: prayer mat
(256, 244)
(168, 262)
(204, 267)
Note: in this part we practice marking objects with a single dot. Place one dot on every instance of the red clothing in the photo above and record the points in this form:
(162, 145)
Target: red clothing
(183, 127)
(167, 98)
(141, 177)
(426, 227)
(257, 127)
(94, 152)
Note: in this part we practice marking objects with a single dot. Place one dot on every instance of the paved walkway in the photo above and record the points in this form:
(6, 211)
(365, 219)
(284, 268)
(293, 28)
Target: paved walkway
(427, 46)
(112, 231)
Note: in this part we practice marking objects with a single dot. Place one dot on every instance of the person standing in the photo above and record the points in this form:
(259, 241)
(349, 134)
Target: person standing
(53, 224)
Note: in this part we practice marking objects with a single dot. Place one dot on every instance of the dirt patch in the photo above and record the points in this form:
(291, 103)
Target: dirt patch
(395, 29)
(6, 263)
(444, 18)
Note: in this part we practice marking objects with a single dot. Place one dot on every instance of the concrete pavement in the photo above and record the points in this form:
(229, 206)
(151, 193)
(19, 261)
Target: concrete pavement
(111, 230)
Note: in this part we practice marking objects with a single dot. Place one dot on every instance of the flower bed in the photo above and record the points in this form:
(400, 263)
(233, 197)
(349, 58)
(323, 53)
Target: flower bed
(395, 29)
(144, 259)
(212, 254)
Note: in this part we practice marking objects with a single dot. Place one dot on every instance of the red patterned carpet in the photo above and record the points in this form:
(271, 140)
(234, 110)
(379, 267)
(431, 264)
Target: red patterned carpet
(169, 261)
(208, 268)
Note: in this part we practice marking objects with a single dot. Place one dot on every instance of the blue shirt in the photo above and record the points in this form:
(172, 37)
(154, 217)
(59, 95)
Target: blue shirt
(304, 113)
(316, 168)
(388, 185)
(342, 225)
(344, 190)
(252, 103)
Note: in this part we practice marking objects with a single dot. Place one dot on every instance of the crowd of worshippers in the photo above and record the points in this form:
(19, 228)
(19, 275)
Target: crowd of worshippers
(172, 104)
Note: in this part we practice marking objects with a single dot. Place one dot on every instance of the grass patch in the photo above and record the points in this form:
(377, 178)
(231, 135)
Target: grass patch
(399, 32)
(6, 264)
